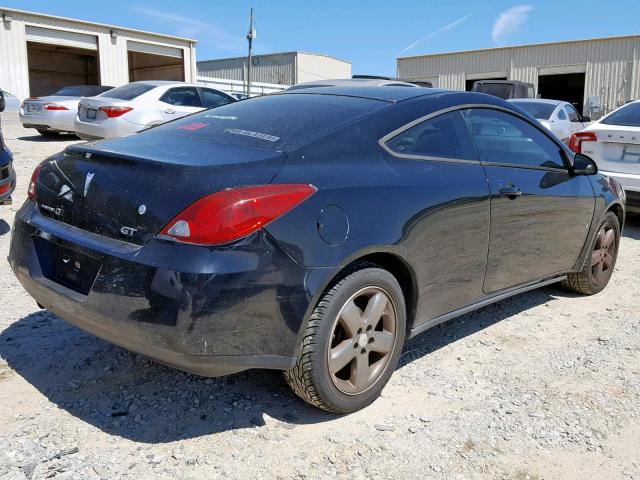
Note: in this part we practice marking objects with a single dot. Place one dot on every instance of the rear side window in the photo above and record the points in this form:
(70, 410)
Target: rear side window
(129, 91)
(444, 136)
(561, 114)
(272, 122)
(506, 139)
(182, 97)
(539, 110)
(627, 116)
(573, 114)
(214, 99)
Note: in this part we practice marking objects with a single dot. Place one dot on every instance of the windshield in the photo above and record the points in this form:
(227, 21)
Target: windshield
(129, 91)
(502, 90)
(81, 91)
(627, 116)
(539, 110)
(276, 122)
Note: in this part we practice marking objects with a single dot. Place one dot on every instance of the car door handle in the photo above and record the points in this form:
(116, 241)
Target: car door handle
(510, 192)
(169, 111)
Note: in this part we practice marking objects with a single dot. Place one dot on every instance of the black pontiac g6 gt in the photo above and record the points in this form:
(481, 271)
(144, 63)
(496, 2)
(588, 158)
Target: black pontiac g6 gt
(313, 231)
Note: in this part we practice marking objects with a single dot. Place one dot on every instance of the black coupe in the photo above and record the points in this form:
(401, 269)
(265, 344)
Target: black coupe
(313, 231)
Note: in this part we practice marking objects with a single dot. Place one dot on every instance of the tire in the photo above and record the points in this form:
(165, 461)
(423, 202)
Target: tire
(593, 279)
(48, 133)
(320, 381)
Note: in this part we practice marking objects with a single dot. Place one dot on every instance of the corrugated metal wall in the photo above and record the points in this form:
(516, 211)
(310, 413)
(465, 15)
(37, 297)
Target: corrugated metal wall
(612, 66)
(279, 68)
(14, 72)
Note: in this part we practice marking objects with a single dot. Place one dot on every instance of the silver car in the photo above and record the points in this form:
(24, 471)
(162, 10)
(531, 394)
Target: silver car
(139, 105)
(352, 82)
(56, 113)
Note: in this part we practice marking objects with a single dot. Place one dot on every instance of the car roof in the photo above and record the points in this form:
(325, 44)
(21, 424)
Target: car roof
(345, 82)
(537, 100)
(381, 93)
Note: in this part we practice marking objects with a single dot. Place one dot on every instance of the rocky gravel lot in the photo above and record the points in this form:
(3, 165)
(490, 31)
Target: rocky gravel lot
(542, 386)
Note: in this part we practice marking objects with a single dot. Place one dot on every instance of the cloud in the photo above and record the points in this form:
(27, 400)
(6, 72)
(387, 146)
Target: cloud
(509, 22)
(437, 32)
(205, 33)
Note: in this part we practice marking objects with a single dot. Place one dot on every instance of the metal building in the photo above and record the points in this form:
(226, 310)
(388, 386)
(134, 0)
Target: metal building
(40, 53)
(286, 68)
(596, 75)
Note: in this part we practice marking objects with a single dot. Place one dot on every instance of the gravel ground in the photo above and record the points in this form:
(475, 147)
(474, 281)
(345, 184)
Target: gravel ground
(545, 385)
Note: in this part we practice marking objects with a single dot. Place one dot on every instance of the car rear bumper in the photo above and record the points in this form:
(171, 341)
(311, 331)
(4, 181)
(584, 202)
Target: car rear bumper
(109, 128)
(631, 184)
(51, 120)
(207, 311)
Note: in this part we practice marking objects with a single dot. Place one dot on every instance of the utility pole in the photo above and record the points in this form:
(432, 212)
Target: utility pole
(250, 36)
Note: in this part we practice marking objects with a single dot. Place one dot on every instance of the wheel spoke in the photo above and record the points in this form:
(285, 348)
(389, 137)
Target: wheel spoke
(382, 341)
(351, 317)
(360, 371)
(609, 238)
(341, 355)
(607, 260)
(375, 308)
(596, 258)
(600, 238)
(597, 270)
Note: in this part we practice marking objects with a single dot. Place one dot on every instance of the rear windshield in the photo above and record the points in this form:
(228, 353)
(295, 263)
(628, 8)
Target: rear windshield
(539, 110)
(129, 91)
(627, 116)
(81, 91)
(502, 90)
(277, 122)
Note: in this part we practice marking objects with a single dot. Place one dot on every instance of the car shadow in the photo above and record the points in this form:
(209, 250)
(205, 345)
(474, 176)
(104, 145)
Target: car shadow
(632, 227)
(43, 139)
(4, 227)
(130, 396)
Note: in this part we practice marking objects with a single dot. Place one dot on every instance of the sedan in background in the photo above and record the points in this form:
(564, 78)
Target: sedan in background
(56, 113)
(614, 143)
(561, 118)
(7, 173)
(140, 105)
(312, 231)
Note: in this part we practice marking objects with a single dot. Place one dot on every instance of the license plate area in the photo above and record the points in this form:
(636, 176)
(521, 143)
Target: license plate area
(66, 267)
(33, 108)
(91, 113)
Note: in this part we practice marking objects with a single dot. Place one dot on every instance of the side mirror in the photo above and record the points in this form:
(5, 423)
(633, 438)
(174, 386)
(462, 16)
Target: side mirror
(583, 165)
(586, 119)
(2, 103)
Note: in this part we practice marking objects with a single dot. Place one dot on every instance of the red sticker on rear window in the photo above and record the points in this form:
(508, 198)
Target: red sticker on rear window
(193, 126)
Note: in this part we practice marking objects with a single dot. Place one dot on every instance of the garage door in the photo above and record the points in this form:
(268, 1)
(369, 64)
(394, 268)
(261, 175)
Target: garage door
(148, 61)
(61, 38)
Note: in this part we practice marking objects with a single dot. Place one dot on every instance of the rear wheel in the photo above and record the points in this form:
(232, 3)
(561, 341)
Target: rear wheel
(352, 343)
(599, 265)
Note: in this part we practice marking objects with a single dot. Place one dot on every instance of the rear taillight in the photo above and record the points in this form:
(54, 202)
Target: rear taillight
(54, 106)
(113, 112)
(576, 140)
(31, 192)
(229, 215)
(4, 188)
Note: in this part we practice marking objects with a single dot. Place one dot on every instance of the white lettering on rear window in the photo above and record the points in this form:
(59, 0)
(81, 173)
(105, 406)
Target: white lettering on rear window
(249, 133)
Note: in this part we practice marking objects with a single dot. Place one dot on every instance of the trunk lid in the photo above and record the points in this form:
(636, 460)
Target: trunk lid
(617, 148)
(35, 106)
(131, 196)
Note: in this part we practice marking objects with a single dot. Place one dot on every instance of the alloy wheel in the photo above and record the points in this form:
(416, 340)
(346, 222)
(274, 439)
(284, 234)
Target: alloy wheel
(603, 254)
(362, 340)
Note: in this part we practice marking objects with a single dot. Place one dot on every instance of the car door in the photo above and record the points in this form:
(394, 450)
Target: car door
(540, 213)
(562, 127)
(446, 193)
(575, 120)
(179, 101)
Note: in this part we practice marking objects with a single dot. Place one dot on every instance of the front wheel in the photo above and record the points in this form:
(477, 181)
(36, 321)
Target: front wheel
(352, 343)
(599, 265)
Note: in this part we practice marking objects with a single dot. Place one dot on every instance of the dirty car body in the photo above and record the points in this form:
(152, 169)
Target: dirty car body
(7, 173)
(99, 246)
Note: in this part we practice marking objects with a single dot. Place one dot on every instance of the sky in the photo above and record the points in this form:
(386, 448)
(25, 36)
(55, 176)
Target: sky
(370, 34)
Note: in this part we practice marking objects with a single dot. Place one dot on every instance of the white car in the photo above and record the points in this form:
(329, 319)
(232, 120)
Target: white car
(613, 142)
(56, 113)
(139, 105)
(561, 118)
